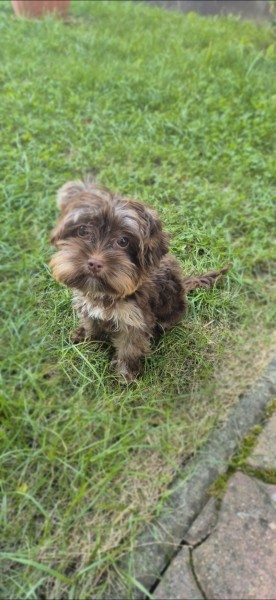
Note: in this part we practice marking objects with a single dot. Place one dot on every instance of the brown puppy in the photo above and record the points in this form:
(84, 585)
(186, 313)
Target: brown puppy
(113, 254)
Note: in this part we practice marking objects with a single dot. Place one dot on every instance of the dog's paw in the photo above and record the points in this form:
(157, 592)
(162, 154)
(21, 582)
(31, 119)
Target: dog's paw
(78, 335)
(126, 371)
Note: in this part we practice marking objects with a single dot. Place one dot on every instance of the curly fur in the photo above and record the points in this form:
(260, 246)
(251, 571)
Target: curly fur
(113, 253)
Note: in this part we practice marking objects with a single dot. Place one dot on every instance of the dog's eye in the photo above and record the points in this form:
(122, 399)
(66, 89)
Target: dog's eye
(82, 230)
(122, 242)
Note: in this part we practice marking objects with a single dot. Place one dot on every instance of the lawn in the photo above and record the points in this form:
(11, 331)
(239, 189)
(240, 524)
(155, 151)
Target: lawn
(177, 111)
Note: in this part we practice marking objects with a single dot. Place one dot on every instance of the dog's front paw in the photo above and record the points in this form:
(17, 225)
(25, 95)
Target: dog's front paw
(128, 372)
(78, 335)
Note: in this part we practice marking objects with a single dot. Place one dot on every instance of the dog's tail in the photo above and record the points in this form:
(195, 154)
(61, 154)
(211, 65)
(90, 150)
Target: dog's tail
(206, 280)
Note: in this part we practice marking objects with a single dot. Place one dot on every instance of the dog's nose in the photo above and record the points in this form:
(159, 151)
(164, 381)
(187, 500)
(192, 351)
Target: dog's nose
(95, 265)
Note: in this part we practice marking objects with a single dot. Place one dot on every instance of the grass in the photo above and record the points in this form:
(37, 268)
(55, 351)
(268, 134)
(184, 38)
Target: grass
(177, 111)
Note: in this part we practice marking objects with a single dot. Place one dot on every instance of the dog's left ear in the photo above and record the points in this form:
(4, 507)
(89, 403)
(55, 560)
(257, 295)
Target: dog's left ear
(156, 241)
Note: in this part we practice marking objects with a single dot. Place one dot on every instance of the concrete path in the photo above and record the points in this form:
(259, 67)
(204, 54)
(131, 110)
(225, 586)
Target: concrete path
(199, 546)
(230, 550)
(249, 9)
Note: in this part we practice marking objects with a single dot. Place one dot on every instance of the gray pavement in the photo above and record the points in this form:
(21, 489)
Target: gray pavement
(249, 9)
(200, 546)
(230, 550)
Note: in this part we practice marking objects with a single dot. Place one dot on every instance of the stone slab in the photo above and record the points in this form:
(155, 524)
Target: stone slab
(264, 453)
(238, 560)
(204, 523)
(156, 545)
(178, 582)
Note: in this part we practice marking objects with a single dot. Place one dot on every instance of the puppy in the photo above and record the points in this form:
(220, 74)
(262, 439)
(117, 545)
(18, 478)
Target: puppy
(113, 254)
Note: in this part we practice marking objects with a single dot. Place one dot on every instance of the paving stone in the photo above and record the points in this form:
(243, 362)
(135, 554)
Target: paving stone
(250, 9)
(238, 560)
(264, 453)
(178, 582)
(189, 493)
(203, 525)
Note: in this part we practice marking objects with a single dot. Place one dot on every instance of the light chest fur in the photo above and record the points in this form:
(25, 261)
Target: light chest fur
(119, 315)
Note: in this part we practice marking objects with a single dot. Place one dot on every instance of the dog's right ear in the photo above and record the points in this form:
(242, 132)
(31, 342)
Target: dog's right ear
(70, 192)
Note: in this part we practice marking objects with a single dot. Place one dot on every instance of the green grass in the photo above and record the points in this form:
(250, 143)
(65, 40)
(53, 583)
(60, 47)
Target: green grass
(177, 111)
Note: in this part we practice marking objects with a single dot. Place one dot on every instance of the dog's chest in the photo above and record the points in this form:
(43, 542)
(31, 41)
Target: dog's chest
(121, 314)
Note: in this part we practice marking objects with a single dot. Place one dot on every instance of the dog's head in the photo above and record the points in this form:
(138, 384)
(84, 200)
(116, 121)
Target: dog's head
(105, 244)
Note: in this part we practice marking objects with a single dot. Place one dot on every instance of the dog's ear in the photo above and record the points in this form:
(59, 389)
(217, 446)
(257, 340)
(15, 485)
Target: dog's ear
(70, 192)
(87, 191)
(56, 233)
(72, 195)
(156, 242)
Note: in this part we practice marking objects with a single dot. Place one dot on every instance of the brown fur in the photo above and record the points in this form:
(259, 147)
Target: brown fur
(113, 254)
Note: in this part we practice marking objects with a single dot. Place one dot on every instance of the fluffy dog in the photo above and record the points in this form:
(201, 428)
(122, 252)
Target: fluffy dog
(113, 254)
